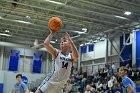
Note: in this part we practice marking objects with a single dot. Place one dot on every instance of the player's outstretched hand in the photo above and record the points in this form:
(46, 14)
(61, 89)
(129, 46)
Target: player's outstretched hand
(68, 38)
(52, 32)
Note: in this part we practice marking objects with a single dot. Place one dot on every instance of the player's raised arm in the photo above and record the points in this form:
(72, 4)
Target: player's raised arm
(49, 47)
(72, 46)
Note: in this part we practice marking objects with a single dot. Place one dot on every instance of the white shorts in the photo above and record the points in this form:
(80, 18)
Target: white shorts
(51, 87)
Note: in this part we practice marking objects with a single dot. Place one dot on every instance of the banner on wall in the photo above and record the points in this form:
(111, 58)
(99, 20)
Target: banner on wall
(84, 49)
(14, 60)
(37, 62)
(1, 88)
(90, 47)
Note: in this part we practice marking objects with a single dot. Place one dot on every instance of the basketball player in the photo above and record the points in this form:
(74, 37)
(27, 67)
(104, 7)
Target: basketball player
(20, 87)
(128, 85)
(61, 64)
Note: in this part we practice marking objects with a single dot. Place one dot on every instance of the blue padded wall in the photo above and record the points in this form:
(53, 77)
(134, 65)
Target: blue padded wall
(127, 52)
(138, 48)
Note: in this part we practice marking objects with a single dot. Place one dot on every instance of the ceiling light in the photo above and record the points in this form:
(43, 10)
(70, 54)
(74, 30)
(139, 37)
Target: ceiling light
(127, 13)
(81, 44)
(28, 17)
(95, 41)
(3, 34)
(56, 40)
(54, 2)
(23, 22)
(7, 31)
(79, 32)
(52, 41)
(87, 43)
(121, 17)
(84, 29)
(16, 20)
(75, 36)
(101, 39)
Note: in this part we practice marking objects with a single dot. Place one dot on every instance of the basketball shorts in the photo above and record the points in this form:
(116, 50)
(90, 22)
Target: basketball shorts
(51, 87)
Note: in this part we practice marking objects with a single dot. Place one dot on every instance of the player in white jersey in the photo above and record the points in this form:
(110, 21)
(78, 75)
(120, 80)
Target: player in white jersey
(61, 64)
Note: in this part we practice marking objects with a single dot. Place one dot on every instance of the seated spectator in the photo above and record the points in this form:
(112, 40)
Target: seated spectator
(114, 79)
(93, 85)
(68, 86)
(88, 89)
(99, 84)
(110, 83)
(105, 72)
(113, 68)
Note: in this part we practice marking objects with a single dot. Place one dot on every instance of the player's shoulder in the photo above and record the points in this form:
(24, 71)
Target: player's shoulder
(23, 84)
(126, 80)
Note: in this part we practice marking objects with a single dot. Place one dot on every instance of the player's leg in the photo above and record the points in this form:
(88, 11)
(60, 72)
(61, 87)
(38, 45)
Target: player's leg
(45, 87)
(42, 84)
(38, 91)
(59, 91)
(55, 90)
(58, 88)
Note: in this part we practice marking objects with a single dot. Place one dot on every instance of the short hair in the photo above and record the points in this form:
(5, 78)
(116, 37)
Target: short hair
(123, 68)
(63, 38)
(19, 75)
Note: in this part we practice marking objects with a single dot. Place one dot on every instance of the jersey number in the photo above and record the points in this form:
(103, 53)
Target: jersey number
(64, 65)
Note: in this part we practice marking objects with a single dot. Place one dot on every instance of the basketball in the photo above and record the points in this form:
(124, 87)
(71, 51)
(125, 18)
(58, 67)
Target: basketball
(55, 23)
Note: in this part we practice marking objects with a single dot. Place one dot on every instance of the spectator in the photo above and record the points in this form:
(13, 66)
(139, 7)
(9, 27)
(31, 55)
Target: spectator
(68, 86)
(113, 68)
(99, 84)
(88, 89)
(110, 83)
(20, 87)
(93, 85)
(130, 72)
(105, 72)
(114, 79)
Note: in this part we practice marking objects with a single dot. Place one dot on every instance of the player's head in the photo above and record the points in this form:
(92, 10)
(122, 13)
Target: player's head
(99, 81)
(123, 71)
(64, 43)
(19, 77)
(88, 87)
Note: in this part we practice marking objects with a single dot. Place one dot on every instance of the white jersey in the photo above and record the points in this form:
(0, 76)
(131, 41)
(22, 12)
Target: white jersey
(61, 68)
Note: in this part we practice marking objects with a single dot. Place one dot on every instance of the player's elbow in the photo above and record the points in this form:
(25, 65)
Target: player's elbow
(75, 58)
(46, 44)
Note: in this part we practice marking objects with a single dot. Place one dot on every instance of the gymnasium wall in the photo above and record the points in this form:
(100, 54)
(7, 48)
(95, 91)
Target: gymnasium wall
(8, 79)
(100, 50)
(26, 60)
